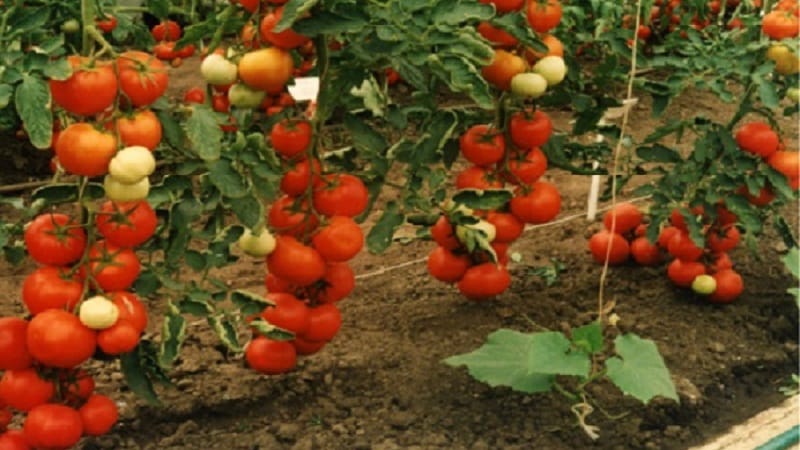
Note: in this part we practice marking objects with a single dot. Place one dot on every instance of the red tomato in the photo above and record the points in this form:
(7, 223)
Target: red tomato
(75, 386)
(503, 68)
(249, 5)
(780, 24)
(13, 440)
(720, 261)
(325, 323)
(447, 266)
(497, 36)
(530, 129)
(529, 169)
(276, 284)
(142, 77)
(195, 95)
(288, 313)
(53, 426)
(683, 273)
(482, 145)
(57, 338)
(220, 103)
(340, 240)
(294, 262)
(306, 347)
(757, 138)
(444, 235)
(541, 204)
(477, 177)
(290, 138)
(140, 128)
(50, 287)
(484, 281)
(729, 286)
(98, 415)
(24, 389)
(504, 6)
(286, 39)
(270, 357)
(126, 224)
(626, 217)
(667, 233)
(111, 267)
(106, 24)
(89, 90)
(167, 31)
(13, 347)
(165, 50)
(122, 337)
(288, 215)
(682, 247)
(543, 16)
(131, 309)
(644, 252)
(765, 196)
(83, 150)
(786, 162)
(340, 194)
(723, 240)
(338, 282)
(599, 245)
(507, 227)
(55, 239)
(297, 179)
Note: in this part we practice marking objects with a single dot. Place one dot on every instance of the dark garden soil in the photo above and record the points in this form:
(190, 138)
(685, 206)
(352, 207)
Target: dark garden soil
(381, 383)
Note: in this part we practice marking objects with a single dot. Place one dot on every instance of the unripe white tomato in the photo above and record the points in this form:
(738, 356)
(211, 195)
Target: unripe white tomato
(528, 85)
(131, 164)
(121, 192)
(257, 245)
(98, 313)
(552, 68)
(218, 71)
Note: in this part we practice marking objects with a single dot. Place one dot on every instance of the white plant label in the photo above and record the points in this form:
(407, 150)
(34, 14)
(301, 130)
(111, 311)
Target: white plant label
(305, 89)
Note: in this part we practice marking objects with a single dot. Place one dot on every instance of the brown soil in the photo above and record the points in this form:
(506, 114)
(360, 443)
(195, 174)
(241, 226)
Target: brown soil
(381, 384)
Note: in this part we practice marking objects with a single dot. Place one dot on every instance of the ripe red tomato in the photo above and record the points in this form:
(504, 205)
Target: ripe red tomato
(75, 386)
(57, 338)
(165, 50)
(599, 246)
(786, 162)
(765, 196)
(503, 68)
(444, 235)
(757, 138)
(126, 224)
(220, 103)
(13, 348)
(106, 24)
(507, 227)
(325, 323)
(89, 90)
(266, 69)
(544, 15)
(504, 6)
(249, 5)
(289, 312)
(24, 389)
(142, 77)
(497, 36)
(287, 215)
(723, 240)
(140, 128)
(50, 287)
(529, 169)
(270, 357)
(195, 95)
(122, 337)
(286, 39)
(340, 240)
(477, 177)
(683, 273)
(484, 281)
(83, 150)
(297, 179)
(530, 129)
(447, 266)
(682, 247)
(131, 309)
(55, 239)
(98, 415)
(720, 261)
(13, 440)
(340, 194)
(482, 145)
(626, 217)
(780, 24)
(294, 262)
(290, 137)
(541, 204)
(53, 426)
(111, 267)
(666, 234)
(729, 286)
(644, 252)
(306, 347)
(338, 282)
(168, 30)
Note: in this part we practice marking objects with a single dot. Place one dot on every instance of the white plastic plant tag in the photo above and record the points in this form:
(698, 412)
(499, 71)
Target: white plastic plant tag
(305, 88)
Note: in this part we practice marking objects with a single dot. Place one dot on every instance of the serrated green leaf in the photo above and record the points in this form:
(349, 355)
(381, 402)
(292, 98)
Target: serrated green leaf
(227, 179)
(137, 376)
(59, 69)
(331, 23)
(32, 100)
(226, 332)
(454, 13)
(503, 361)
(268, 330)
(483, 199)
(380, 236)
(792, 261)
(588, 338)
(56, 194)
(658, 153)
(248, 209)
(204, 134)
(292, 11)
(6, 92)
(173, 333)
(147, 283)
(550, 354)
(639, 369)
(249, 303)
(159, 8)
(768, 94)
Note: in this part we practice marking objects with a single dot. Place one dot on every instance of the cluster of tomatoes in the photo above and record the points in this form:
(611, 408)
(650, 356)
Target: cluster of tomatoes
(79, 297)
(783, 23)
(523, 70)
(166, 35)
(708, 270)
(307, 262)
(477, 263)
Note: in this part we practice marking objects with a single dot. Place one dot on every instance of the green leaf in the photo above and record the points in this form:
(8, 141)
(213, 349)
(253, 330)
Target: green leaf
(488, 199)
(248, 209)
(588, 338)
(227, 179)
(198, 307)
(768, 94)
(454, 13)
(159, 8)
(292, 10)
(173, 333)
(6, 92)
(249, 303)
(32, 100)
(380, 236)
(147, 283)
(792, 261)
(550, 354)
(330, 23)
(59, 69)
(503, 361)
(134, 368)
(639, 369)
(204, 133)
(268, 330)
(226, 332)
(365, 138)
(658, 153)
(56, 194)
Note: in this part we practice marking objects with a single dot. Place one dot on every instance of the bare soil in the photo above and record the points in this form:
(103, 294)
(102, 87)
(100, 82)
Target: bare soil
(381, 384)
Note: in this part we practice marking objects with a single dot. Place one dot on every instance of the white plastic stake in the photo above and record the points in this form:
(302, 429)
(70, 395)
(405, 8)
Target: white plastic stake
(305, 89)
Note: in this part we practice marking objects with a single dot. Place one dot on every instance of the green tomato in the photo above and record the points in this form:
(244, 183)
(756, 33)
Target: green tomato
(528, 85)
(552, 68)
(98, 313)
(704, 284)
(256, 245)
(121, 192)
(218, 71)
(243, 96)
(793, 94)
(71, 26)
(483, 226)
(131, 164)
